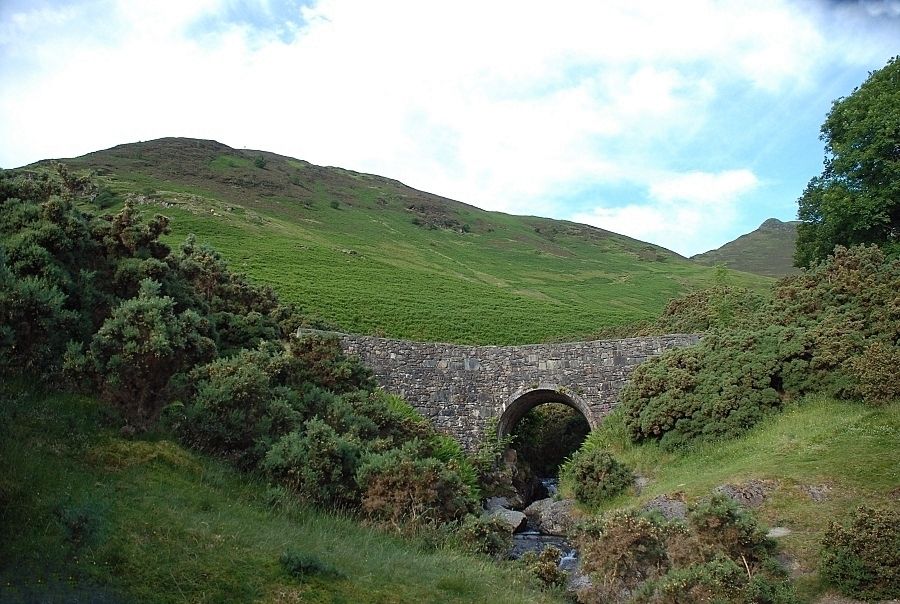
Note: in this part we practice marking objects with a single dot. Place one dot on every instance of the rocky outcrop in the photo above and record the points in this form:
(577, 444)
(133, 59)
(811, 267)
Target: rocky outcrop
(751, 494)
(672, 507)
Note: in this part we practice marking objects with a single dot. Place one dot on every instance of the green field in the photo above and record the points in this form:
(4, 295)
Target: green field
(90, 516)
(374, 256)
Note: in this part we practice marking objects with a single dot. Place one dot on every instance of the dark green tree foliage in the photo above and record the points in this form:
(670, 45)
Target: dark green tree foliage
(828, 330)
(863, 559)
(856, 199)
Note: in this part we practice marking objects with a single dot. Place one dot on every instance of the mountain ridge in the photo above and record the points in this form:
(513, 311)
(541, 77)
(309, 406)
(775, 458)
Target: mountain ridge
(375, 256)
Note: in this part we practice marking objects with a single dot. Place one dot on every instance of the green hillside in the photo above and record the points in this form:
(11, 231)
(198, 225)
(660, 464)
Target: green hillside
(375, 256)
(769, 250)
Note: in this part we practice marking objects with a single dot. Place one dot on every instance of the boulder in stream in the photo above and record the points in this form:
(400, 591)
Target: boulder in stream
(552, 517)
(515, 520)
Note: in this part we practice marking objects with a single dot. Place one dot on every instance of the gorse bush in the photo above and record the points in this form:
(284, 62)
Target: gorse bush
(596, 475)
(317, 463)
(106, 304)
(834, 329)
(139, 348)
(406, 485)
(720, 554)
(486, 535)
(863, 559)
(545, 566)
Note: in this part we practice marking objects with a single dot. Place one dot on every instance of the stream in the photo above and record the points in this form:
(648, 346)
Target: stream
(532, 539)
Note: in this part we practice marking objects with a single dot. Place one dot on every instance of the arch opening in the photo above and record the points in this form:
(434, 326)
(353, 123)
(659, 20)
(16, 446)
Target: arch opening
(546, 427)
(522, 404)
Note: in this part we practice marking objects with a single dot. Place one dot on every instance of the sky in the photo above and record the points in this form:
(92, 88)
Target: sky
(684, 124)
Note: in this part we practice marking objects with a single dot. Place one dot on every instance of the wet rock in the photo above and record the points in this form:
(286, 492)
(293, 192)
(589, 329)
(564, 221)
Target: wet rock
(672, 507)
(552, 517)
(536, 508)
(496, 502)
(751, 494)
(515, 520)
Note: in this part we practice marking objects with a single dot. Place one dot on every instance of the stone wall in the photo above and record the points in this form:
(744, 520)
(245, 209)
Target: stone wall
(462, 388)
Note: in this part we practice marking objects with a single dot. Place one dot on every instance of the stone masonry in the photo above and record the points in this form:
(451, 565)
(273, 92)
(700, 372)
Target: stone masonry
(464, 389)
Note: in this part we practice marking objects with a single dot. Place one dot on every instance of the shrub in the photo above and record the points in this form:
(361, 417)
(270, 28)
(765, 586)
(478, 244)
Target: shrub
(596, 475)
(830, 330)
(875, 370)
(316, 463)
(484, 535)
(722, 306)
(545, 566)
(722, 527)
(622, 549)
(319, 359)
(138, 350)
(301, 565)
(862, 560)
(237, 410)
(402, 487)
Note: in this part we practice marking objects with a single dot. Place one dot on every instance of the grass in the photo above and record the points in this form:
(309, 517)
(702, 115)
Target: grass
(461, 275)
(89, 516)
(849, 447)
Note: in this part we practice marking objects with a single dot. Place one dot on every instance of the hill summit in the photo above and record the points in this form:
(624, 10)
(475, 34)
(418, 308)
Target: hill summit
(769, 250)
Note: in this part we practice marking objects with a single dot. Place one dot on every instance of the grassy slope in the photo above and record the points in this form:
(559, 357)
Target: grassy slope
(849, 447)
(366, 267)
(769, 250)
(88, 516)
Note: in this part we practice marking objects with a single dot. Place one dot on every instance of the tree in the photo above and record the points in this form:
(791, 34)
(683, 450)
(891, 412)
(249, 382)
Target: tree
(856, 199)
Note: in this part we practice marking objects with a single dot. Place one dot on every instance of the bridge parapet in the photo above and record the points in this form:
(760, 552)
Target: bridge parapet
(460, 389)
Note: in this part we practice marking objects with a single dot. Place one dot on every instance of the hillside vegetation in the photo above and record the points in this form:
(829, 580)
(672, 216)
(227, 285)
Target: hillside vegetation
(815, 463)
(769, 250)
(372, 255)
(87, 515)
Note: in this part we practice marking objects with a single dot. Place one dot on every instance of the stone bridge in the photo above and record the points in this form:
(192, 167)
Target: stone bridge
(462, 389)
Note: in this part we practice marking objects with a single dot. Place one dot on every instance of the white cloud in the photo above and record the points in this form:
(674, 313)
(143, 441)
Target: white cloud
(688, 213)
(508, 105)
(704, 188)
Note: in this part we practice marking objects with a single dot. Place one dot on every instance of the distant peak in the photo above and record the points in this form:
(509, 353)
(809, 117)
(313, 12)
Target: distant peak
(773, 224)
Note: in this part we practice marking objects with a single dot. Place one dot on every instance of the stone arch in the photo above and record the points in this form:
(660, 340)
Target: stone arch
(523, 402)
